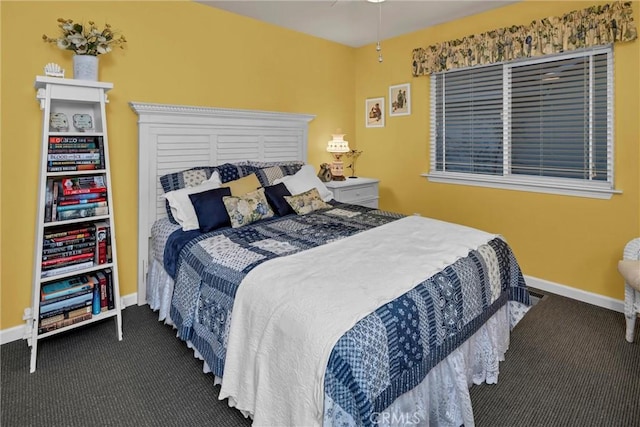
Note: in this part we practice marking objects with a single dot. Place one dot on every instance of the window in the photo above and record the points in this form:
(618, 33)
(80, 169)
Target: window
(541, 125)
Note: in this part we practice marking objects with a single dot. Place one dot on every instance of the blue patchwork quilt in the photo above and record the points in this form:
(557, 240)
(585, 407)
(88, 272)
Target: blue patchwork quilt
(403, 339)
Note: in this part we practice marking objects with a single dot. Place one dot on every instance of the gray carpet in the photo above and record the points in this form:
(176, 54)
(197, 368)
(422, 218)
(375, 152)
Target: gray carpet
(568, 365)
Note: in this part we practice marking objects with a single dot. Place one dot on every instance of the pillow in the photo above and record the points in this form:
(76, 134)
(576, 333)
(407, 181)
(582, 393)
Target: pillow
(180, 203)
(630, 270)
(248, 208)
(186, 178)
(307, 202)
(243, 185)
(275, 196)
(210, 209)
(303, 180)
(195, 176)
(268, 174)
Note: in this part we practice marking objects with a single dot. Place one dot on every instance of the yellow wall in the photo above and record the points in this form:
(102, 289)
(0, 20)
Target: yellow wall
(179, 53)
(185, 53)
(567, 240)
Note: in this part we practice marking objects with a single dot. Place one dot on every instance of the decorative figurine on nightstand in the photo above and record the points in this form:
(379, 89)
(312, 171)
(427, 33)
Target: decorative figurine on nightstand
(325, 172)
(353, 155)
(53, 70)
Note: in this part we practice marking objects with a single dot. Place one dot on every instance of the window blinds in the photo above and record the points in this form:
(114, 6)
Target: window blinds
(549, 117)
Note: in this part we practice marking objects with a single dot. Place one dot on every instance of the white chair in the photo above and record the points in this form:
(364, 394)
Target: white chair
(629, 268)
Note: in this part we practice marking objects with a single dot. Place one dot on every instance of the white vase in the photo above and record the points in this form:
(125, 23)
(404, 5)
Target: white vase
(85, 67)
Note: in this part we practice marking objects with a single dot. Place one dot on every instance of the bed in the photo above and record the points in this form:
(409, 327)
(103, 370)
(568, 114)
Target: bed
(343, 315)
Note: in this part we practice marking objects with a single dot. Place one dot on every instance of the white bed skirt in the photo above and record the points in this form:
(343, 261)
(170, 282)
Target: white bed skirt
(441, 399)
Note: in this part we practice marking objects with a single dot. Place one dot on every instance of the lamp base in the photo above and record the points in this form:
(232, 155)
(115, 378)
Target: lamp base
(337, 178)
(353, 177)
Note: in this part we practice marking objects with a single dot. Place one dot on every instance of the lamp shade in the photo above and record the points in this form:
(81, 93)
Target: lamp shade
(338, 144)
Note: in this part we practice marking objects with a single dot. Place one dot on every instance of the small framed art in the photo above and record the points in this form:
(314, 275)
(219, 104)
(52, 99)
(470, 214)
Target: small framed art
(400, 100)
(374, 109)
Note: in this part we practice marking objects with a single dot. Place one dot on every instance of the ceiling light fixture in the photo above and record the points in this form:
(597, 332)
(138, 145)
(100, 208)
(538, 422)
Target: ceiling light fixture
(378, 46)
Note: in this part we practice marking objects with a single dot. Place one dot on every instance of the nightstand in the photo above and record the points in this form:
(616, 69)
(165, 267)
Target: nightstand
(357, 191)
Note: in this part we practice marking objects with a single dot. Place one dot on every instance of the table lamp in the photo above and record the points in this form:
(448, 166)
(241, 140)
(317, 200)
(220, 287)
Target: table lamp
(337, 147)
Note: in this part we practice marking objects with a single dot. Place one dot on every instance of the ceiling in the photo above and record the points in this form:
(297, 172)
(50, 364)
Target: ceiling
(355, 22)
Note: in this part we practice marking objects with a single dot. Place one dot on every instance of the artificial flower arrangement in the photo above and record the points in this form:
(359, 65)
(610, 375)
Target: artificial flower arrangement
(86, 39)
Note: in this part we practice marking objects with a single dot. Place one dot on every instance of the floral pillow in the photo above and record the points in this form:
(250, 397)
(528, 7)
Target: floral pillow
(307, 202)
(248, 208)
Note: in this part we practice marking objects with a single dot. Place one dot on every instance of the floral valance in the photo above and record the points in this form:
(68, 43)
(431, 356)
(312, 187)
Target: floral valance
(594, 26)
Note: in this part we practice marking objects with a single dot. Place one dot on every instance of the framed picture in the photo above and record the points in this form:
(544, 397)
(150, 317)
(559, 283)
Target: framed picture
(374, 112)
(400, 100)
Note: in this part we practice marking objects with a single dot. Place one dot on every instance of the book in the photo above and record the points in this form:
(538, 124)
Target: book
(59, 150)
(72, 168)
(54, 200)
(67, 308)
(48, 200)
(66, 315)
(73, 156)
(103, 284)
(61, 285)
(66, 269)
(65, 243)
(85, 190)
(69, 230)
(102, 241)
(68, 253)
(77, 145)
(60, 305)
(74, 139)
(65, 322)
(81, 197)
(72, 235)
(82, 213)
(88, 288)
(111, 297)
(82, 182)
(81, 185)
(67, 259)
(52, 319)
(87, 205)
(83, 201)
(68, 248)
(73, 162)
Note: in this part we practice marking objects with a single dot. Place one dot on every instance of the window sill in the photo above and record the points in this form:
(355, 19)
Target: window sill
(595, 190)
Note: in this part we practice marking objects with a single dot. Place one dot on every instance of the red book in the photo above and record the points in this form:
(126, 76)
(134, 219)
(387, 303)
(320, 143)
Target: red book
(81, 201)
(85, 190)
(84, 184)
(72, 237)
(68, 232)
(102, 243)
(68, 253)
(55, 261)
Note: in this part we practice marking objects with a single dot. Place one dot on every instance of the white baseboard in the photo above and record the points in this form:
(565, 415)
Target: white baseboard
(18, 332)
(574, 293)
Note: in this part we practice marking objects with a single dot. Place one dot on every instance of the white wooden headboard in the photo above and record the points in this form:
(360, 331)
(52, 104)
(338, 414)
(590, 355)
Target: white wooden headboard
(172, 138)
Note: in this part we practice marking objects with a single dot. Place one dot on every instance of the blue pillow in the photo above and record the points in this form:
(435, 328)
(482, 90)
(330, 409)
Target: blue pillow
(209, 208)
(275, 196)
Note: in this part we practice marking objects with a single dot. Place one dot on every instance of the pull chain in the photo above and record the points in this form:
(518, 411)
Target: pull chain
(378, 47)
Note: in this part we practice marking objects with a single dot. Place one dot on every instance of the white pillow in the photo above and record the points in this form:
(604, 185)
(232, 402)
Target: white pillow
(181, 206)
(304, 180)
